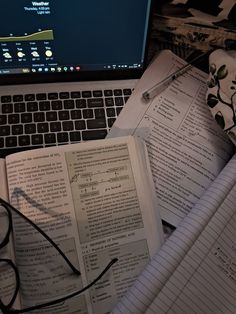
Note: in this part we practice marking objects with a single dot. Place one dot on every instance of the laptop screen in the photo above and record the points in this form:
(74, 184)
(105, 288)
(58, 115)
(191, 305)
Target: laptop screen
(41, 38)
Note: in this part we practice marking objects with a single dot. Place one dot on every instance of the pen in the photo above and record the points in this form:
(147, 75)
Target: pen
(162, 85)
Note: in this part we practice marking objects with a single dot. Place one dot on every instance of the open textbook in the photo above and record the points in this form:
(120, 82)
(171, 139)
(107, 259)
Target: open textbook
(97, 201)
(186, 147)
(195, 269)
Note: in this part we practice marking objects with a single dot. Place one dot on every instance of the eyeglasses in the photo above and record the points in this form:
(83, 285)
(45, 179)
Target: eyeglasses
(5, 213)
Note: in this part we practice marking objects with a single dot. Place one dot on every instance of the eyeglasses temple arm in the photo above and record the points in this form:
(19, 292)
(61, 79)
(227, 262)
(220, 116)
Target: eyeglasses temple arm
(75, 270)
(36, 307)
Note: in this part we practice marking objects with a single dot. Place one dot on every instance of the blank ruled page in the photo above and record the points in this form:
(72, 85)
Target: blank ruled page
(163, 283)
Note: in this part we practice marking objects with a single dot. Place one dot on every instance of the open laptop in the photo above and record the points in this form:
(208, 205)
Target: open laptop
(67, 68)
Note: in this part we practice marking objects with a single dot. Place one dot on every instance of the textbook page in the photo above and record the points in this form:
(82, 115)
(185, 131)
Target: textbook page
(187, 149)
(97, 201)
(7, 277)
(196, 229)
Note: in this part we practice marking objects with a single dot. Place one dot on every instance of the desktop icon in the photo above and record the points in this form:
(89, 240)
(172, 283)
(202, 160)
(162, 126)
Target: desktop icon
(26, 70)
(48, 53)
(35, 54)
(20, 54)
(7, 55)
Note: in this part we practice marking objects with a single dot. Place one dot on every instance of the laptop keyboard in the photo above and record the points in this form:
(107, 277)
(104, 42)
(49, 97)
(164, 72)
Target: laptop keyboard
(46, 119)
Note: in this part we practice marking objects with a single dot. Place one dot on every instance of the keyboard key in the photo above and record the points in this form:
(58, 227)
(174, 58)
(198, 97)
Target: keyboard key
(11, 141)
(7, 108)
(111, 112)
(55, 126)
(109, 102)
(64, 95)
(126, 98)
(51, 116)
(62, 137)
(39, 117)
(52, 96)
(95, 102)
(18, 98)
(110, 122)
(67, 126)
(127, 91)
(3, 119)
(24, 140)
(32, 106)
(80, 125)
(37, 139)
(5, 99)
(17, 129)
(118, 110)
(93, 134)
(4, 130)
(29, 97)
(81, 103)
(69, 104)
(97, 93)
(119, 101)
(44, 105)
(57, 105)
(13, 118)
(26, 117)
(117, 92)
(42, 127)
(19, 107)
(86, 94)
(108, 92)
(64, 115)
(87, 113)
(96, 123)
(75, 94)
(1, 142)
(99, 113)
(75, 136)
(50, 138)
(75, 114)
(41, 96)
(30, 128)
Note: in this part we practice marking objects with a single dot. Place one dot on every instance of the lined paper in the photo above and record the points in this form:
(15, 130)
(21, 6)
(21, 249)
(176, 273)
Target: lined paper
(205, 280)
(171, 281)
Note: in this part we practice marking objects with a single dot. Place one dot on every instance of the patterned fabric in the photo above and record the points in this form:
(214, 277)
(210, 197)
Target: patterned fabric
(195, 23)
(221, 93)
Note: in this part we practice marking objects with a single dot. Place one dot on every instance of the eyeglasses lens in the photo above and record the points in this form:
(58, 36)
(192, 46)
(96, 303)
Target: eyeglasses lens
(7, 274)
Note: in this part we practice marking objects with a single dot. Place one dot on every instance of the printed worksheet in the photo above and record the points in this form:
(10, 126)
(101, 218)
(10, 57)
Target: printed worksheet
(186, 147)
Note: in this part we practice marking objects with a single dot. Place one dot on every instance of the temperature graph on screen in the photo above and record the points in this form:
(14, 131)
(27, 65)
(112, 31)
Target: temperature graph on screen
(40, 35)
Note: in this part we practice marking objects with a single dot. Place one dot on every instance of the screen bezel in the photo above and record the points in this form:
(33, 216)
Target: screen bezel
(30, 78)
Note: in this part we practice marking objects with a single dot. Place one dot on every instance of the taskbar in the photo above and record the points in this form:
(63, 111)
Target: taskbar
(69, 68)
